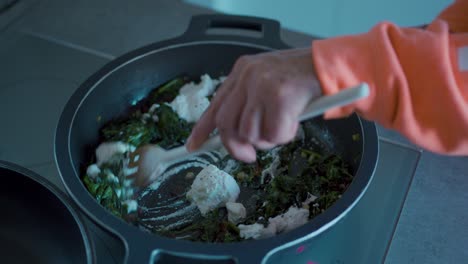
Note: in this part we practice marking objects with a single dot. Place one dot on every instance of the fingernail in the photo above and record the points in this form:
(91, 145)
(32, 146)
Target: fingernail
(251, 156)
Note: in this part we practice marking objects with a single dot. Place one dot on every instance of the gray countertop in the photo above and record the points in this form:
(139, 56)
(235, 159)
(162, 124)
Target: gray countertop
(47, 48)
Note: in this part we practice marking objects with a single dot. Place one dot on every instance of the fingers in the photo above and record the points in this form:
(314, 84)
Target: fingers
(239, 149)
(207, 123)
(259, 104)
(227, 121)
(224, 113)
(280, 122)
(202, 129)
(264, 145)
(250, 126)
(250, 122)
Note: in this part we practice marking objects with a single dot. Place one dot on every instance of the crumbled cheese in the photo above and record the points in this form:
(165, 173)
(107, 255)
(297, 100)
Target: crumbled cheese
(255, 231)
(236, 212)
(190, 108)
(272, 169)
(204, 88)
(293, 218)
(131, 205)
(153, 108)
(251, 231)
(192, 100)
(129, 171)
(118, 192)
(212, 188)
(310, 198)
(93, 171)
(146, 116)
(129, 192)
(110, 177)
(128, 182)
(230, 166)
(108, 150)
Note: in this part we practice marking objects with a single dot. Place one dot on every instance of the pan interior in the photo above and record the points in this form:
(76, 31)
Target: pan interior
(129, 82)
(114, 94)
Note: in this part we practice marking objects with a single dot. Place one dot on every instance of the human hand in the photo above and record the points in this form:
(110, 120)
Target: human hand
(259, 103)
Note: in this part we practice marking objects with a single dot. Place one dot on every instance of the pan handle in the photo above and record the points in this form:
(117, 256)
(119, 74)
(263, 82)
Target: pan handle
(251, 29)
(159, 250)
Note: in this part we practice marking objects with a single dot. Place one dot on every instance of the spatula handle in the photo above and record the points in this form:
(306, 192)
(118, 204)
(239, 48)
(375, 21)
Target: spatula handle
(211, 144)
(180, 153)
(322, 104)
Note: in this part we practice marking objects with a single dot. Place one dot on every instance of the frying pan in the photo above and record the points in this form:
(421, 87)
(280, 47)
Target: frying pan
(211, 44)
(39, 223)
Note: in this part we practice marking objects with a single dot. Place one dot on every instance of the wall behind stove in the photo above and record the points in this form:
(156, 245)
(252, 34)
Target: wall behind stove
(332, 17)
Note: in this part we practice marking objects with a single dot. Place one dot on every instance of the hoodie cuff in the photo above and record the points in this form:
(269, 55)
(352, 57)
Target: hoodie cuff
(341, 63)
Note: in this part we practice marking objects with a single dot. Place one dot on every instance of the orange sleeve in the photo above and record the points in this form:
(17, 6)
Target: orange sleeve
(418, 78)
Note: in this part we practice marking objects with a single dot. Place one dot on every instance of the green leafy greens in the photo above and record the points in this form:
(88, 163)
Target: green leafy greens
(173, 130)
(300, 172)
(132, 130)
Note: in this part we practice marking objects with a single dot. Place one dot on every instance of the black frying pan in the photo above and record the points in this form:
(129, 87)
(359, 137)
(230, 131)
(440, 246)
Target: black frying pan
(109, 93)
(38, 223)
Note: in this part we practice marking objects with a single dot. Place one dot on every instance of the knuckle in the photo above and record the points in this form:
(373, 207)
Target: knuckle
(241, 63)
(278, 132)
(265, 75)
(282, 94)
(243, 60)
(280, 98)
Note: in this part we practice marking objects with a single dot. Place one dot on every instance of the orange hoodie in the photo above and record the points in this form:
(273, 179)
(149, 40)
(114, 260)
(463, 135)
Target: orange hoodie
(418, 78)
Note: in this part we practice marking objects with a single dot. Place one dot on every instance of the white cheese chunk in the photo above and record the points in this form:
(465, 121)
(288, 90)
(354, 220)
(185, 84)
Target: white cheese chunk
(189, 108)
(93, 171)
(293, 218)
(205, 87)
(272, 170)
(310, 199)
(118, 192)
(153, 108)
(126, 171)
(254, 231)
(212, 188)
(131, 205)
(110, 177)
(107, 151)
(236, 212)
(192, 100)
(290, 220)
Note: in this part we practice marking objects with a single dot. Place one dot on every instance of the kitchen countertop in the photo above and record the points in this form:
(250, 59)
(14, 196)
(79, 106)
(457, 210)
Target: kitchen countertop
(84, 35)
